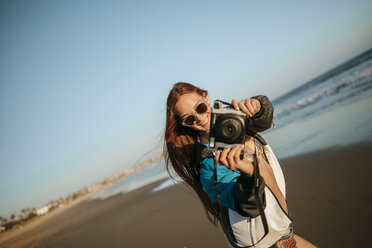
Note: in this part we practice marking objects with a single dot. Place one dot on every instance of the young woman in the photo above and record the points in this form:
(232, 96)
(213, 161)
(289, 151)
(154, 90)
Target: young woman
(225, 182)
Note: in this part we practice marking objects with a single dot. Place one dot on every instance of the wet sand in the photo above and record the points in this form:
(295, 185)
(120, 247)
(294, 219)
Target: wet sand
(328, 193)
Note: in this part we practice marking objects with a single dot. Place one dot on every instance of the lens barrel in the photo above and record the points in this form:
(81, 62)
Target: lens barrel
(230, 129)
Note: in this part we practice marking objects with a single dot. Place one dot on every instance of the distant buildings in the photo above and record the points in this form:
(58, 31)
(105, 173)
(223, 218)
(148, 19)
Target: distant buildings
(42, 210)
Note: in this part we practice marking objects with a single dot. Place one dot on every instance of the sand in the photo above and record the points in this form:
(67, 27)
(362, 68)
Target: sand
(328, 194)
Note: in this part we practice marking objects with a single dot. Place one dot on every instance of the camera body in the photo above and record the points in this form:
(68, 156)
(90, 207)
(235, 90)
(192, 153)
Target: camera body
(227, 128)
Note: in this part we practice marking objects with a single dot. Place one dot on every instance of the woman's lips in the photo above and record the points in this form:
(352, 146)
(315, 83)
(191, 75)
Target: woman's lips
(204, 122)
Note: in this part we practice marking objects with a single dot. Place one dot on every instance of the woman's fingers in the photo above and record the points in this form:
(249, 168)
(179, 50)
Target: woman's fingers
(249, 105)
(231, 158)
(243, 108)
(227, 157)
(237, 155)
(217, 157)
(223, 159)
(235, 104)
(256, 104)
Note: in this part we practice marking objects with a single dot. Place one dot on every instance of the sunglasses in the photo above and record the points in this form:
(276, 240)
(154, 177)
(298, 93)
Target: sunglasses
(190, 119)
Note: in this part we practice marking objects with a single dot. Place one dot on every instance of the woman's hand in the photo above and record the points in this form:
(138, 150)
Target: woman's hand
(249, 106)
(230, 157)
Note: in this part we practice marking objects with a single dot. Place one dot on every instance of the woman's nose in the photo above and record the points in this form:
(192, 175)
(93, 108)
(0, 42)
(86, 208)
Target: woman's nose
(199, 117)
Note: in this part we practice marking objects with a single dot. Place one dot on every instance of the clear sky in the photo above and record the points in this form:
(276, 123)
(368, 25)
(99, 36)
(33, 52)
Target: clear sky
(83, 84)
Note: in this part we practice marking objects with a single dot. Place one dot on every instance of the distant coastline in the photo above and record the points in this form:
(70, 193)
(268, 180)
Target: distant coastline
(29, 215)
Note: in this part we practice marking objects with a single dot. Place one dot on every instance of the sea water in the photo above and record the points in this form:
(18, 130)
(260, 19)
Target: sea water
(152, 173)
(334, 109)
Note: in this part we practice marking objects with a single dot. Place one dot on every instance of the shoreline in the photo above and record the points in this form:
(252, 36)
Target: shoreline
(36, 221)
(328, 195)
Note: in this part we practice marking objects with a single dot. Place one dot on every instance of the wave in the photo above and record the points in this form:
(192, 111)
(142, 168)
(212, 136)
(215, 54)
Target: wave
(343, 83)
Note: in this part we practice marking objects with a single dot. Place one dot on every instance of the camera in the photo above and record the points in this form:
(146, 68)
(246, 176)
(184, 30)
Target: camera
(227, 127)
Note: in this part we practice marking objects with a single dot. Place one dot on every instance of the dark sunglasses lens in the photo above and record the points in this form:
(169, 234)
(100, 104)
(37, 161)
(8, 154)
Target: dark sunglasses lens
(202, 108)
(189, 120)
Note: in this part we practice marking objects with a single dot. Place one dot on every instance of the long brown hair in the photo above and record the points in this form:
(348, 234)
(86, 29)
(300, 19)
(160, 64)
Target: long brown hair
(179, 147)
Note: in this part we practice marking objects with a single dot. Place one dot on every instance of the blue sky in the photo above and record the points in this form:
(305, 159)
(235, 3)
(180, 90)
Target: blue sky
(83, 84)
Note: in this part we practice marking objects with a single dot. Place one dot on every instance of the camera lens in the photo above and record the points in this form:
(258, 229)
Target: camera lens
(229, 130)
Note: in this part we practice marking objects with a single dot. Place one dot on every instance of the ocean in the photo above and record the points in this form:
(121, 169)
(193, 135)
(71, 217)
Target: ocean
(333, 109)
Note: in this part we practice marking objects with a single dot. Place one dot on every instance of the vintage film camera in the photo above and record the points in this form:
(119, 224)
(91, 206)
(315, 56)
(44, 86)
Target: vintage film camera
(228, 126)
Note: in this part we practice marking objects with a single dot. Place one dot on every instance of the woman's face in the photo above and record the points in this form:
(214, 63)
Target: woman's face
(187, 104)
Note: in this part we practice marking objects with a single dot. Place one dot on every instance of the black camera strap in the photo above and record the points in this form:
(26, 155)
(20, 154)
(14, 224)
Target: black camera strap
(224, 220)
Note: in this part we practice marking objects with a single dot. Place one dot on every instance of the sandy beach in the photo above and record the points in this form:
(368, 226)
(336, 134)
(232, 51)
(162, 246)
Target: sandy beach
(328, 194)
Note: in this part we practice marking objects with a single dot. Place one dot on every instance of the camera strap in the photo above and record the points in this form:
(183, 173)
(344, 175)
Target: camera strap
(226, 103)
(224, 220)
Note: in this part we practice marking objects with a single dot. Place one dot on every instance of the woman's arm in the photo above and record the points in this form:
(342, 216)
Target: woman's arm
(235, 189)
(226, 182)
(231, 159)
(261, 111)
(244, 195)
